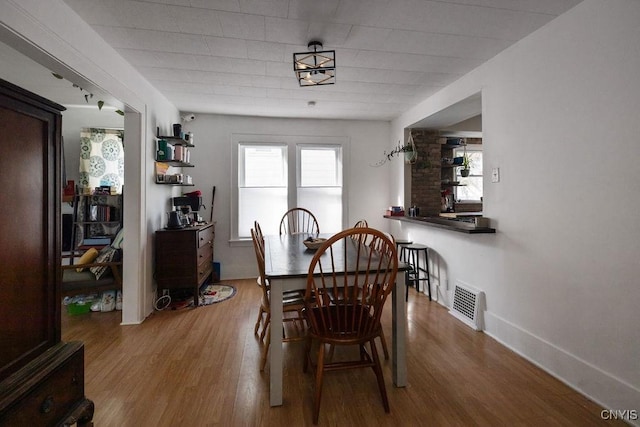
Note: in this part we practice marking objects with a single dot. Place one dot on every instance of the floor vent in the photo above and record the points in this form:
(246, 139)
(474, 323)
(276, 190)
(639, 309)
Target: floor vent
(466, 305)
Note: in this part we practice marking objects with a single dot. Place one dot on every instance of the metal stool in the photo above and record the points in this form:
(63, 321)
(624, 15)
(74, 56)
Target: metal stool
(400, 245)
(411, 253)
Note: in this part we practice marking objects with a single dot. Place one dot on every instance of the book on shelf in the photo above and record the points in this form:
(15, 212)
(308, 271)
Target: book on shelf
(96, 241)
(103, 213)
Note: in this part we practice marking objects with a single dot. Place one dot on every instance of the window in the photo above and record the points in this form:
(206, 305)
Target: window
(274, 174)
(262, 186)
(471, 188)
(320, 184)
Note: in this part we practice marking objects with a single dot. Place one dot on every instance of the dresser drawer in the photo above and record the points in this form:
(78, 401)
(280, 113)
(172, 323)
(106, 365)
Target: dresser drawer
(205, 236)
(55, 386)
(204, 269)
(205, 253)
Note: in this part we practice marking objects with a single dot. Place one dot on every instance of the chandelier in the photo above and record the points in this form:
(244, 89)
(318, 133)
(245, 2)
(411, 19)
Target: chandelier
(316, 67)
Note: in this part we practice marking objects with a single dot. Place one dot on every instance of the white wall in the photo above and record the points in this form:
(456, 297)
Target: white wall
(52, 34)
(561, 273)
(368, 186)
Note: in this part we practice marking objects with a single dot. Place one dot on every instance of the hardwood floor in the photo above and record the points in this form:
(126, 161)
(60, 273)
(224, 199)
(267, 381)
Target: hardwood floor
(200, 367)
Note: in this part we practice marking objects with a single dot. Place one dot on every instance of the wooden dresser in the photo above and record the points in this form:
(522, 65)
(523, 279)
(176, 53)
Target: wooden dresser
(184, 257)
(50, 390)
(41, 378)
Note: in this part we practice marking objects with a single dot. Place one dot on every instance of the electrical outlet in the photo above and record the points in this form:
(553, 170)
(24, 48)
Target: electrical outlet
(495, 175)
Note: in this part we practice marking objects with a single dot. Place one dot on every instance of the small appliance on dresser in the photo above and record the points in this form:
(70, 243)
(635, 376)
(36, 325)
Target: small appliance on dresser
(185, 212)
(41, 377)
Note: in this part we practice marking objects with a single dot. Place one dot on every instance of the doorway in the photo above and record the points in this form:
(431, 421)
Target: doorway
(36, 76)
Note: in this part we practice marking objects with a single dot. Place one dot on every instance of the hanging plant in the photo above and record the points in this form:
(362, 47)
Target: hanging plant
(466, 163)
(409, 150)
(87, 96)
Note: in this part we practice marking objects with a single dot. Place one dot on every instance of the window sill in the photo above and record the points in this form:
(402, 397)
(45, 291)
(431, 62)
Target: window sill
(240, 242)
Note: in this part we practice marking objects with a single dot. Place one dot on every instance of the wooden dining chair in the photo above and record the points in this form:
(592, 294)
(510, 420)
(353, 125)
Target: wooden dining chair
(259, 240)
(263, 317)
(378, 244)
(292, 308)
(345, 309)
(258, 229)
(361, 224)
(299, 220)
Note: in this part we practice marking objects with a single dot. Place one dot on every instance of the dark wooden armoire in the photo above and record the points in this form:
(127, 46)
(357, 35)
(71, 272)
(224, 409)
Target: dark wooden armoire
(41, 378)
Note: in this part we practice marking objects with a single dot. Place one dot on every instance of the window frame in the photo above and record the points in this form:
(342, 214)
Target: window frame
(292, 142)
(459, 152)
(333, 147)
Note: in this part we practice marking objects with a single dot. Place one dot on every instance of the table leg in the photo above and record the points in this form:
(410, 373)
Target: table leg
(275, 350)
(399, 327)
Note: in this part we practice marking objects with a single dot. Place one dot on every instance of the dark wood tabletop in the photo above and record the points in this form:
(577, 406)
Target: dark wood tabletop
(286, 256)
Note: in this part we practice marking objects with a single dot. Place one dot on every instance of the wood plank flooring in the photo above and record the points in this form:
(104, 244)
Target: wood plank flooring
(200, 367)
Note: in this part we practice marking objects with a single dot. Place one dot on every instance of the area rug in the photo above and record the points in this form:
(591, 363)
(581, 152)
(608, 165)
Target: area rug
(213, 294)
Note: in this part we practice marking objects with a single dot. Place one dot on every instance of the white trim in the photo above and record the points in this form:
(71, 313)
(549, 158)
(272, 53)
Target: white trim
(577, 373)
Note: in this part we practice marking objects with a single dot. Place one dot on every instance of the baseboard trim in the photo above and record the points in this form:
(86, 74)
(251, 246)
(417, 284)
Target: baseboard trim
(601, 387)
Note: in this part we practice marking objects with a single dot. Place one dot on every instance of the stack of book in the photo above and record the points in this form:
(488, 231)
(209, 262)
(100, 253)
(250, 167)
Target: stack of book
(167, 152)
(103, 213)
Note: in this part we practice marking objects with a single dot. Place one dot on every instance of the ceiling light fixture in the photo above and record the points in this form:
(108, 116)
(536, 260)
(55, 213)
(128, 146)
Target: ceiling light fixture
(315, 68)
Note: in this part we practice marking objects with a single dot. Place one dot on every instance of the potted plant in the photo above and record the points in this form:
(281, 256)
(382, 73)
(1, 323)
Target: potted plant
(410, 151)
(466, 164)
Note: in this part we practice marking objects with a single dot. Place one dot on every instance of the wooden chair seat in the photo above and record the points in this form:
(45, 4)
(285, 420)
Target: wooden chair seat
(344, 324)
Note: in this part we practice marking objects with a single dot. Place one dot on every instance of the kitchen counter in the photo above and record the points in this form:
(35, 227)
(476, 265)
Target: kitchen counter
(453, 224)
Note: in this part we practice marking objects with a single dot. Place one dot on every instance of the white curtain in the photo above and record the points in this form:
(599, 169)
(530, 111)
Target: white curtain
(101, 158)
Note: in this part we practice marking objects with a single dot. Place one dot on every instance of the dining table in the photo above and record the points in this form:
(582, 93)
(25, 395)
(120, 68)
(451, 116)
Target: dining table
(287, 262)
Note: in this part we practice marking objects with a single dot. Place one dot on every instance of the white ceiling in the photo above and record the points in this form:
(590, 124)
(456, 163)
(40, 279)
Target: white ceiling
(235, 56)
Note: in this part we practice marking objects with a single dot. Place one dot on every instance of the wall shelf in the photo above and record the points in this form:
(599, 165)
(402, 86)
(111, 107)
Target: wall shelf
(175, 183)
(177, 163)
(172, 152)
(176, 141)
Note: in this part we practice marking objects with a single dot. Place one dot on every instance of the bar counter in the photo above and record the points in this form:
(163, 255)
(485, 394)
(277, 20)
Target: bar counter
(451, 224)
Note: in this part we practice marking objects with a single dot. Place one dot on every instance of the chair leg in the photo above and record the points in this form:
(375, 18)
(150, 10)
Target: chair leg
(384, 346)
(426, 264)
(307, 354)
(258, 322)
(406, 285)
(265, 351)
(319, 378)
(377, 368)
(265, 326)
(415, 264)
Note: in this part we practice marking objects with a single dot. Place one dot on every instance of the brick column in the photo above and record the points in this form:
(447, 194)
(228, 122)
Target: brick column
(425, 173)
